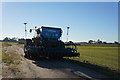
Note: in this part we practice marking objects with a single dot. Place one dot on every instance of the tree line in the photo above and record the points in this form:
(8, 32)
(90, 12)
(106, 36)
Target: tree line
(22, 40)
(14, 39)
(100, 42)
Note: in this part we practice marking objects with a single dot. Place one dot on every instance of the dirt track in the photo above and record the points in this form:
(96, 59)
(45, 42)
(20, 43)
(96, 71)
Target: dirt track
(45, 68)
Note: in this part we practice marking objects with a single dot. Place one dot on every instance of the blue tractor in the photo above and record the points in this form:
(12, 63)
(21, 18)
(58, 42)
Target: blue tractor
(47, 43)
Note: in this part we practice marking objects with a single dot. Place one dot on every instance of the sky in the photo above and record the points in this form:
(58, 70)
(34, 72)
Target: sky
(60, 0)
(87, 20)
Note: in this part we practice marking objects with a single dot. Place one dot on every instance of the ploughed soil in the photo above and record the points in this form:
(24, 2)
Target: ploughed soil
(44, 68)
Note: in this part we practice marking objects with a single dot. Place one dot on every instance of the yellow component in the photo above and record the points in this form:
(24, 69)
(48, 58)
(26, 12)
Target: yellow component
(38, 36)
(35, 26)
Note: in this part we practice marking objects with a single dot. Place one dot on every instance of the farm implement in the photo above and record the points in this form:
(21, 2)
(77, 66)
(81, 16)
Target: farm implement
(47, 43)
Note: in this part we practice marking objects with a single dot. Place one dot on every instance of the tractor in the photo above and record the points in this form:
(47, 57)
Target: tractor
(47, 44)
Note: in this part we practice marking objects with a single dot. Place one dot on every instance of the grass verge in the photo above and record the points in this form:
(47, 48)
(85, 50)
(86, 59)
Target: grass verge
(0, 55)
(103, 59)
(12, 60)
(5, 44)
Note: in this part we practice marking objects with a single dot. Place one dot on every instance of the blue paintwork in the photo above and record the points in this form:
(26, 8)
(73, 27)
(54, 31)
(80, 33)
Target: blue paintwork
(51, 33)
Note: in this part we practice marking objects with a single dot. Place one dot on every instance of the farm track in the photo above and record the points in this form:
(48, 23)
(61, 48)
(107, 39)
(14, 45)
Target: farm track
(46, 68)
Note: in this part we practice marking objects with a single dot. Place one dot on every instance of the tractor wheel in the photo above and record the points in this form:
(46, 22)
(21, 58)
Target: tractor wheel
(35, 57)
(27, 56)
(57, 58)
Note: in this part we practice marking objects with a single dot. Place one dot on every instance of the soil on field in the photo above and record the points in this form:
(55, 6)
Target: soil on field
(44, 68)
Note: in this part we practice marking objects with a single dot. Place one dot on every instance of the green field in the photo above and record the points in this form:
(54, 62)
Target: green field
(99, 55)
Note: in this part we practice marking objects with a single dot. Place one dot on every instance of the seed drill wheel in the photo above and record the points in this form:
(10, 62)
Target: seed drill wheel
(27, 43)
(56, 58)
(27, 56)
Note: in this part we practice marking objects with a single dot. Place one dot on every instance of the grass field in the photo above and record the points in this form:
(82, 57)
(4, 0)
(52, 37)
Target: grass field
(99, 55)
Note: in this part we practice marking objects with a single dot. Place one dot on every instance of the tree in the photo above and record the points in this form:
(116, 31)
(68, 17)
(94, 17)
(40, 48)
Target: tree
(14, 39)
(21, 41)
(90, 41)
(104, 42)
(6, 39)
(98, 41)
(115, 42)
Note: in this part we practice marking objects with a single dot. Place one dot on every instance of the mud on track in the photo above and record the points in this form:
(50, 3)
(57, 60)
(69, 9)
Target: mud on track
(46, 68)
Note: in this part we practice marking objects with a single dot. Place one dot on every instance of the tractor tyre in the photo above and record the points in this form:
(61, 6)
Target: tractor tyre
(56, 58)
(27, 56)
(34, 57)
